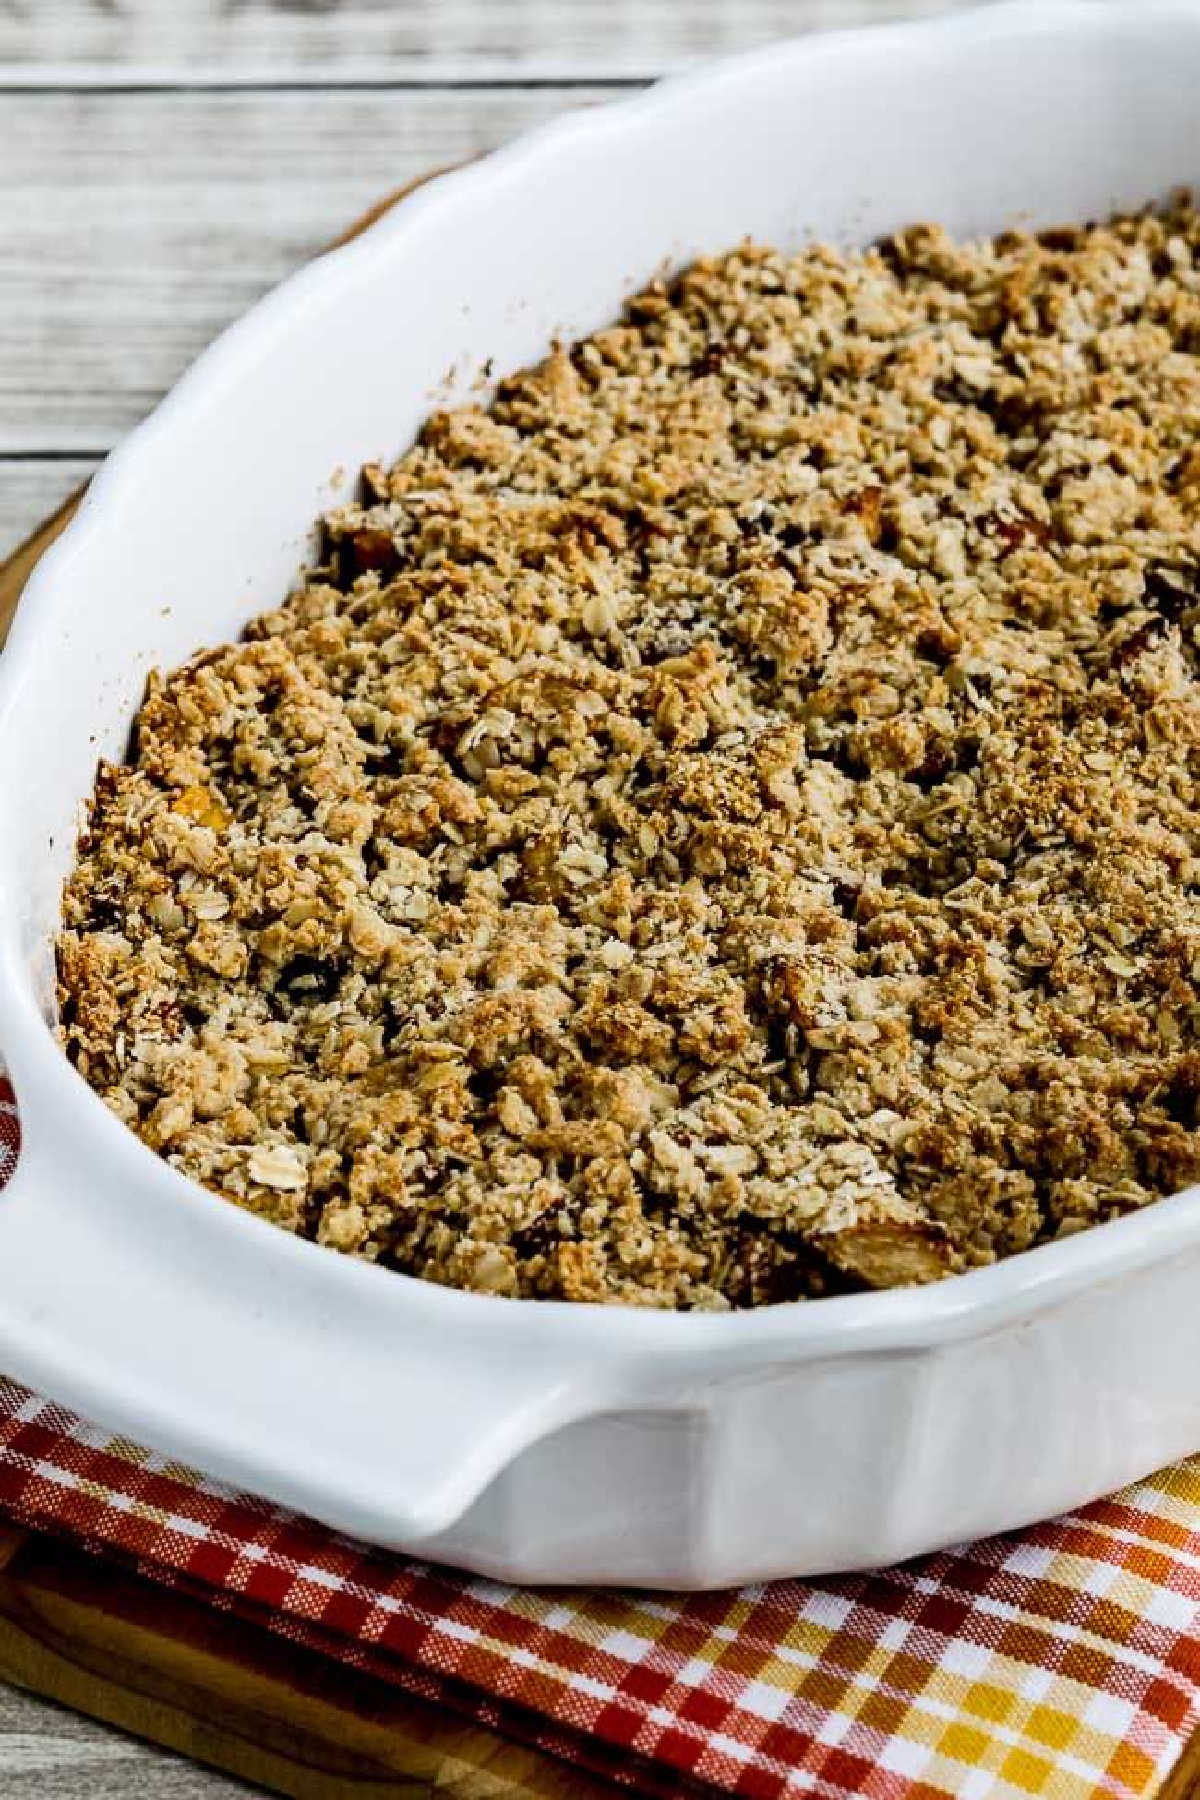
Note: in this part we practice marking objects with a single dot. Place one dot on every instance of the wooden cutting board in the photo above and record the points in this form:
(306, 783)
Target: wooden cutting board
(168, 1668)
(171, 1669)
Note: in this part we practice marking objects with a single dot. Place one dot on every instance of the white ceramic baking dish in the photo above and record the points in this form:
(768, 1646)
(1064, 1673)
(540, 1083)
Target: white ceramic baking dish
(544, 1441)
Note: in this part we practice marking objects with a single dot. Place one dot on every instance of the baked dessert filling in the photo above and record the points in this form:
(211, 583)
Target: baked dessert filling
(720, 824)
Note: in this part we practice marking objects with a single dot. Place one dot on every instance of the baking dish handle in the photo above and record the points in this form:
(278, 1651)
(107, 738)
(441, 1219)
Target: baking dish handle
(379, 1404)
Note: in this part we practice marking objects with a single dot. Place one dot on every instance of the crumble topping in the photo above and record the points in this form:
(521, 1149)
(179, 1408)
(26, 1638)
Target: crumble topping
(721, 824)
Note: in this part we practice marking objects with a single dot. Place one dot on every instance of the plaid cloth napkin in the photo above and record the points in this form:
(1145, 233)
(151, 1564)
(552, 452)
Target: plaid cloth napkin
(1063, 1661)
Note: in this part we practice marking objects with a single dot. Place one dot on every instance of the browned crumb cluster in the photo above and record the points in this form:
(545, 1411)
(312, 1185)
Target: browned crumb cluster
(721, 825)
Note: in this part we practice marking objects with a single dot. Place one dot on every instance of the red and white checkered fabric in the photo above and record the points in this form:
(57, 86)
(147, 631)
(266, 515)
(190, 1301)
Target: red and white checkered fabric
(1063, 1661)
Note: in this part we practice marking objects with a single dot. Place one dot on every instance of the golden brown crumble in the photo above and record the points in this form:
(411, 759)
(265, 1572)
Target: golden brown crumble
(721, 825)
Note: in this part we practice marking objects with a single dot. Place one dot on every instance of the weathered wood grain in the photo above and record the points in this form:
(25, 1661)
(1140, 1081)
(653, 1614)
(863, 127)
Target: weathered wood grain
(48, 1752)
(31, 488)
(318, 41)
(133, 229)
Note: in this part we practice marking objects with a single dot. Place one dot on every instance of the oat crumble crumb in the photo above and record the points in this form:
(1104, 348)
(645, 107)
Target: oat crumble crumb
(721, 825)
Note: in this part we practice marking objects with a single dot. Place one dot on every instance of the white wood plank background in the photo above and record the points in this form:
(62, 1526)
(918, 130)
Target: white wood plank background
(318, 41)
(47, 1753)
(162, 162)
(135, 226)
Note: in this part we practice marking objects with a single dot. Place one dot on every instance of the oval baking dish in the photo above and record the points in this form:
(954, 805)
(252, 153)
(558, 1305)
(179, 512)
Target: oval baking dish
(556, 1442)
